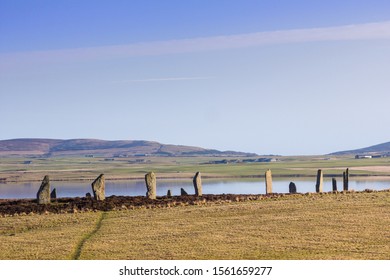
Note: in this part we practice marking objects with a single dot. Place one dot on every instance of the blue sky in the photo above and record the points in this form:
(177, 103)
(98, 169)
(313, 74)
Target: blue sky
(271, 77)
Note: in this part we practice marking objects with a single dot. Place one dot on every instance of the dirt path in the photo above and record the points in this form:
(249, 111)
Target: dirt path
(80, 245)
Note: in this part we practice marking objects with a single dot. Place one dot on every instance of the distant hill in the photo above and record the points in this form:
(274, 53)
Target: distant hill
(383, 149)
(93, 147)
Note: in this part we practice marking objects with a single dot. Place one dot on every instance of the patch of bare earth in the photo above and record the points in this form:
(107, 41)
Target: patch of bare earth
(382, 168)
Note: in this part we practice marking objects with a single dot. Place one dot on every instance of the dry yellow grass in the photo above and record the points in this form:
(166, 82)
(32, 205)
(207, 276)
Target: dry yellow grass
(317, 226)
(329, 226)
(45, 237)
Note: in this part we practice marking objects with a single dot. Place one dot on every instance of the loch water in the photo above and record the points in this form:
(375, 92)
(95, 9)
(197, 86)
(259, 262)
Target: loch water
(210, 186)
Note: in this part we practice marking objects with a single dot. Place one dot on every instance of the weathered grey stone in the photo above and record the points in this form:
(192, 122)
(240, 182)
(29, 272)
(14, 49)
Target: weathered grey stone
(53, 194)
(43, 195)
(183, 192)
(268, 181)
(198, 184)
(169, 193)
(150, 180)
(320, 181)
(98, 188)
(346, 179)
(334, 184)
(292, 188)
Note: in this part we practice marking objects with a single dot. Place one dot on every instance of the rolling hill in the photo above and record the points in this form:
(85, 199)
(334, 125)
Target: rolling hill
(94, 147)
(382, 149)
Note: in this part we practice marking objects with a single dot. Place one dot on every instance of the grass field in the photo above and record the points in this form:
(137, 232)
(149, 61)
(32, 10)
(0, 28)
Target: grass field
(352, 225)
(72, 169)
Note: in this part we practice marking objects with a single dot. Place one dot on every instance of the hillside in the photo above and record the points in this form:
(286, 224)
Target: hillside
(380, 149)
(93, 147)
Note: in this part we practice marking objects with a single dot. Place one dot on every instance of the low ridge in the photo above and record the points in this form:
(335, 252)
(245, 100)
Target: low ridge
(93, 147)
(383, 149)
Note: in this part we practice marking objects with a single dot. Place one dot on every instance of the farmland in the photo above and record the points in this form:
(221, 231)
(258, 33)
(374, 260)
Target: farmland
(351, 225)
(341, 225)
(73, 168)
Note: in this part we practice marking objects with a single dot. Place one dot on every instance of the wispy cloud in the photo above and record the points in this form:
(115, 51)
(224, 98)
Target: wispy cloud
(166, 79)
(368, 31)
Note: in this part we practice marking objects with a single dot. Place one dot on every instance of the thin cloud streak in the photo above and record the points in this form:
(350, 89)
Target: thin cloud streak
(368, 31)
(168, 79)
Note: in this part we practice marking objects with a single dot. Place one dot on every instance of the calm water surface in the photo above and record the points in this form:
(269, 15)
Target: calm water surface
(137, 188)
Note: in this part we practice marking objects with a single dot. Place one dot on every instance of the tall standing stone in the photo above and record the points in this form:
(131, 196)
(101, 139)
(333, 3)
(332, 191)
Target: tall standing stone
(150, 180)
(268, 181)
(334, 184)
(169, 193)
(346, 180)
(320, 181)
(43, 195)
(198, 184)
(98, 188)
(292, 188)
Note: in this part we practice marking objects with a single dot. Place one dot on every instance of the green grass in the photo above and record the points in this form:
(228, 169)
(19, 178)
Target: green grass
(90, 168)
(313, 226)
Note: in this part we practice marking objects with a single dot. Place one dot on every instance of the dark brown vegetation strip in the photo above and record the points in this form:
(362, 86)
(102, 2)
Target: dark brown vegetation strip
(112, 203)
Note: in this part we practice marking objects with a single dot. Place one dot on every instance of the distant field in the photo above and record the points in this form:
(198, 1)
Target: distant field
(20, 169)
(314, 226)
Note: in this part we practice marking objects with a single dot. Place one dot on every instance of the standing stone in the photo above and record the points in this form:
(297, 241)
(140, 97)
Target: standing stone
(346, 180)
(320, 181)
(344, 183)
(98, 188)
(197, 184)
(334, 184)
(268, 181)
(88, 195)
(292, 188)
(53, 194)
(169, 193)
(150, 180)
(43, 195)
(183, 192)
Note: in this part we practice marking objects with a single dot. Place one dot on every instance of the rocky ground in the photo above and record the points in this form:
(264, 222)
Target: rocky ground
(73, 205)
(10, 207)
